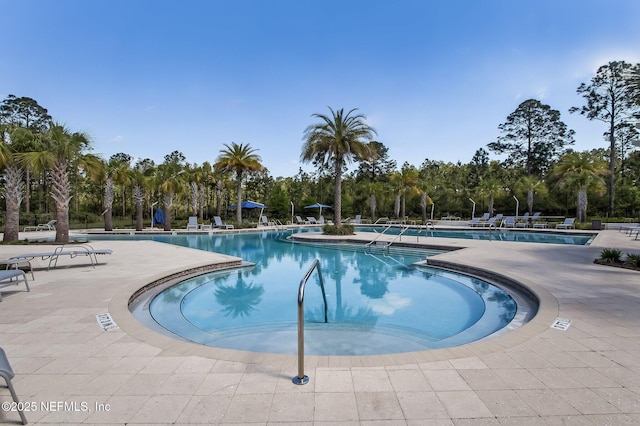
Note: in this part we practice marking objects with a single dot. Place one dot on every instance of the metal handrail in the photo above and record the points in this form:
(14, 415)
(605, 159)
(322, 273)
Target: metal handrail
(429, 225)
(399, 236)
(377, 236)
(301, 378)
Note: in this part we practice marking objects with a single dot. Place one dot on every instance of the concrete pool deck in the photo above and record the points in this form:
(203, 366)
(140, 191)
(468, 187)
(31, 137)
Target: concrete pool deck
(535, 375)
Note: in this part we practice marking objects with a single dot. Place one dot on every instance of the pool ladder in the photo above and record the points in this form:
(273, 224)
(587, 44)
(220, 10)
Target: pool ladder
(301, 378)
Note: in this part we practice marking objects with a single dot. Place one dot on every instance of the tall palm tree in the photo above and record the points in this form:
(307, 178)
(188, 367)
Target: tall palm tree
(581, 172)
(240, 159)
(405, 181)
(489, 188)
(336, 140)
(58, 149)
(13, 187)
(531, 185)
(170, 181)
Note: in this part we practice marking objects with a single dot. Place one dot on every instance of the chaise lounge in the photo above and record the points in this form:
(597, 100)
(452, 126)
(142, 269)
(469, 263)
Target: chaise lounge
(9, 277)
(49, 226)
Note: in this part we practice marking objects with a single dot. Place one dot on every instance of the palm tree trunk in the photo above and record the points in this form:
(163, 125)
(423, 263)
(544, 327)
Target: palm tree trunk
(582, 206)
(60, 190)
(239, 199)
(13, 198)
(168, 199)
(337, 199)
(138, 195)
(372, 204)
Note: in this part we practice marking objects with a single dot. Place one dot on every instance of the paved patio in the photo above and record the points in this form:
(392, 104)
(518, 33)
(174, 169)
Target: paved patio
(70, 371)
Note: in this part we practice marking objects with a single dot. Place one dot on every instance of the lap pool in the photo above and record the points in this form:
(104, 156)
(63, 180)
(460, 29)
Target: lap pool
(378, 303)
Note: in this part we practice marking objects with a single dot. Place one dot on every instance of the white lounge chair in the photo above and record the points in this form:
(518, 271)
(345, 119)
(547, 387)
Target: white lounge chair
(569, 223)
(358, 219)
(312, 220)
(299, 221)
(193, 223)
(49, 226)
(217, 222)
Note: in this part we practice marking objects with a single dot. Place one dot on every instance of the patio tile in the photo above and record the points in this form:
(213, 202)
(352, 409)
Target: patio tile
(463, 404)
(335, 407)
(378, 406)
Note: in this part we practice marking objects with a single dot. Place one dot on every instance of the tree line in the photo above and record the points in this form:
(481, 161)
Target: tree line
(49, 168)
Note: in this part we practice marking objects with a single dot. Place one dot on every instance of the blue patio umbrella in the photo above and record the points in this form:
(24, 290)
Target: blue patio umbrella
(250, 205)
(318, 206)
(158, 217)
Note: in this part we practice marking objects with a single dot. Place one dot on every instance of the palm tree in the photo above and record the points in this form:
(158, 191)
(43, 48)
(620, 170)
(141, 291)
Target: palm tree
(405, 182)
(58, 149)
(581, 172)
(239, 159)
(335, 141)
(531, 185)
(13, 188)
(489, 188)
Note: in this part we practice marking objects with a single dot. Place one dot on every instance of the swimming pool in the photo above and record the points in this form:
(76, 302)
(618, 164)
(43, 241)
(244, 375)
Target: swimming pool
(378, 303)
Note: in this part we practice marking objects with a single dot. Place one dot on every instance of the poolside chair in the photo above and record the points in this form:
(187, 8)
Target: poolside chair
(569, 223)
(358, 219)
(523, 222)
(509, 222)
(300, 221)
(312, 220)
(217, 223)
(265, 222)
(193, 223)
(49, 226)
(491, 222)
(475, 222)
(12, 277)
(6, 372)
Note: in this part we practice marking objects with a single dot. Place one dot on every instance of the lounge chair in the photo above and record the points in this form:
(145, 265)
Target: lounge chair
(475, 222)
(523, 222)
(193, 223)
(10, 277)
(312, 220)
(299, 221)
(217, 223)
(509, 222)
(71, 250)
(49, 226)
(265, 222)
(491, 222)
(569, 223)
(6, 372)
(358, 219)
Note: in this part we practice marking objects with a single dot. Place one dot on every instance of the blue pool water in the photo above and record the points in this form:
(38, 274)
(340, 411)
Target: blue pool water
(378, 303)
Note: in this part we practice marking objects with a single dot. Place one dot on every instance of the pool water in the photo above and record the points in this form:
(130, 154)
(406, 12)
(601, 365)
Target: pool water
(378, 302)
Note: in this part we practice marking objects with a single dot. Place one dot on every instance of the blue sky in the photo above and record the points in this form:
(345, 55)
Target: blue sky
(435, 79)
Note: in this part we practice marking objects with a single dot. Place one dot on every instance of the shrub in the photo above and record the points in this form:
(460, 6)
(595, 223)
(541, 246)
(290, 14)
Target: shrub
(633, 260)
(345, 229)
(611, 255)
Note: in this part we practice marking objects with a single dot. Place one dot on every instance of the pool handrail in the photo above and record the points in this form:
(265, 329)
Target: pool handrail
(366, 246)
(301, 378)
